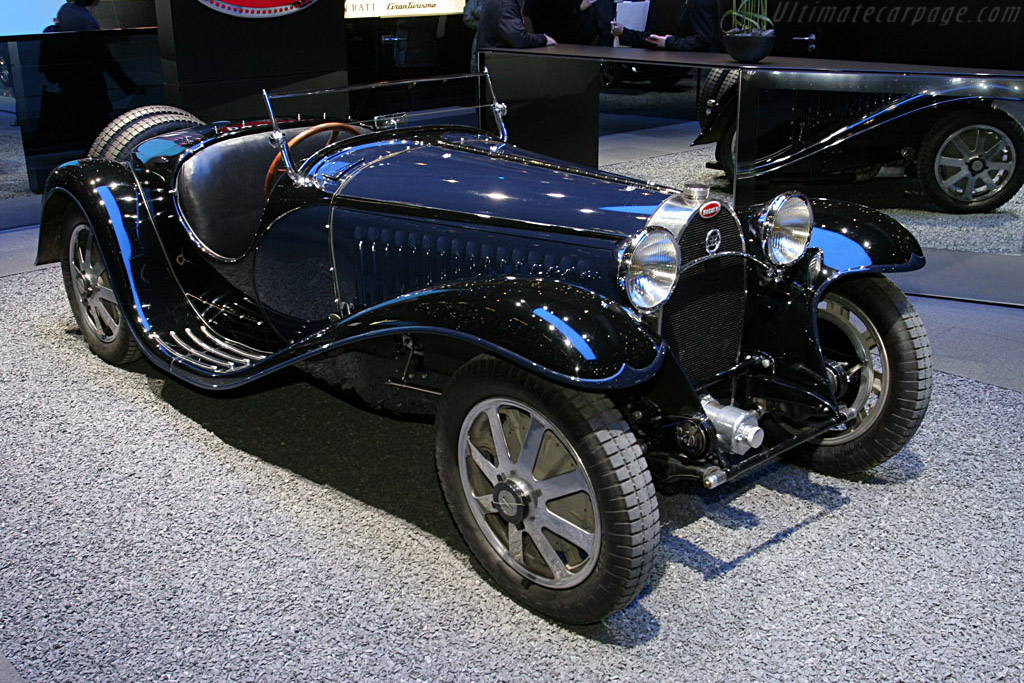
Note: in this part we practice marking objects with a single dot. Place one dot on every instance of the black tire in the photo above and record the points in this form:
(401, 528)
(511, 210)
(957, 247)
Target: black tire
(612, 506)
(122, 135)
(890, 392)
(87, 284)
(714, 87)
(970, 160)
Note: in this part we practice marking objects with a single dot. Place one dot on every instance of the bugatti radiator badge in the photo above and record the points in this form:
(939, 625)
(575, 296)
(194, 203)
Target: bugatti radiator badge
(257, 9)
(710, 209)
(713, 241)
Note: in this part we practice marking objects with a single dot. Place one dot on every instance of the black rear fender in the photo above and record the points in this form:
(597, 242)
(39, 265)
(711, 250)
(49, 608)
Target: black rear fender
(83, 188)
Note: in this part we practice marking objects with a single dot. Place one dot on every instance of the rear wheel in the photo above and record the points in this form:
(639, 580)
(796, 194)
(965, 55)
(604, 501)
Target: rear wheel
(867, 328)
(970, 161)
(549, 489)
(91, 296)
(122, 135)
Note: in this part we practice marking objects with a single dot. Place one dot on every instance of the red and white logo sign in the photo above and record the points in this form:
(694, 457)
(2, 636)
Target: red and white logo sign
(710, 209)
(257, 9)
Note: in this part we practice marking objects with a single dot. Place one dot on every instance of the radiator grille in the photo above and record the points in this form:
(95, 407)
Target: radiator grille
(703, 321)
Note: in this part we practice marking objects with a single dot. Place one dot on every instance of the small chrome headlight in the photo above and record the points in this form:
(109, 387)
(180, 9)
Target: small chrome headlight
(785, 224)
(649, 267)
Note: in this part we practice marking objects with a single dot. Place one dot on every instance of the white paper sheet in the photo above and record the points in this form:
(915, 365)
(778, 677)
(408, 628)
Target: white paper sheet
(633, 14)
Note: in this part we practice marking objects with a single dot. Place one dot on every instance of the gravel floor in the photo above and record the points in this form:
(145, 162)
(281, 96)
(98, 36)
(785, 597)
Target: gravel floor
(150, 532)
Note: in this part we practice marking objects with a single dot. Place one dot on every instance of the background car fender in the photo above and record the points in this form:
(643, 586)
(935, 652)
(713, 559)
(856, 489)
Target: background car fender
(561, 331)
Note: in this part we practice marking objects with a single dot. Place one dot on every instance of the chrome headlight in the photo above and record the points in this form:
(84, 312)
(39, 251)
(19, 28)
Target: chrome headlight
(649, 267)
(785, 225)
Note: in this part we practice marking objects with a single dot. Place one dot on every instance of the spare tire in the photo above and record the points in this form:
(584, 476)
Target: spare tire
(714, 87)
(122, 135)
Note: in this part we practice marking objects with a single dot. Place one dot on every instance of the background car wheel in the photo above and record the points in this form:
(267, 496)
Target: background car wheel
(868, 327)
(122, 135)
(549, 489)
(92, 299)
(970, 162)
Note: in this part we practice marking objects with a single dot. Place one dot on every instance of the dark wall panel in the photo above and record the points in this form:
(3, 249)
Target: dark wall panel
(210, 57)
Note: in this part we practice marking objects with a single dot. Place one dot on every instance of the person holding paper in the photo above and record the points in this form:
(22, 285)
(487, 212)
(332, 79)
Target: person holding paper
(696, 29)
(567, 21)
(502, 24)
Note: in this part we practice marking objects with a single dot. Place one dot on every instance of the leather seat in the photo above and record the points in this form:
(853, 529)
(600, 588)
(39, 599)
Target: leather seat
(220, 190)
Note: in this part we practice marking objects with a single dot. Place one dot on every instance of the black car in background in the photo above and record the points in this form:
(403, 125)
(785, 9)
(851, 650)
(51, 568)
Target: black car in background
(964, 148)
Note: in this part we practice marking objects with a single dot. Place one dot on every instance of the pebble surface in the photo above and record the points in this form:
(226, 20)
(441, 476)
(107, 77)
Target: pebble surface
(150, 532)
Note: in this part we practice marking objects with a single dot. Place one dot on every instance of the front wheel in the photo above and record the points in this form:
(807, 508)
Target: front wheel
(549, 489)
(869, 330)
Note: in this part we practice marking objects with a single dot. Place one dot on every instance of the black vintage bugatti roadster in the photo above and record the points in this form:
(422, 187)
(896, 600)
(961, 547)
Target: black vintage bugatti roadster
(580, 337)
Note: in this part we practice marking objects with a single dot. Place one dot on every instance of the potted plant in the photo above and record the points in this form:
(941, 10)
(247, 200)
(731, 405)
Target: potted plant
(748, 31)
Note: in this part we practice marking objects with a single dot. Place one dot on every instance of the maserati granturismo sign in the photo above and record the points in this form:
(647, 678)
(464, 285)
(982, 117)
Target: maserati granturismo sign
(257, 9)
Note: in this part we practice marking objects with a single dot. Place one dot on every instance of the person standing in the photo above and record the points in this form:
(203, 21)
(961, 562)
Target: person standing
(696, 30)
(76, 15)
(567, 21)
(502, 24)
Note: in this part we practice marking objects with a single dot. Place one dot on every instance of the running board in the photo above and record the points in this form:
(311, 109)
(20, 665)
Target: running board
(205, 349)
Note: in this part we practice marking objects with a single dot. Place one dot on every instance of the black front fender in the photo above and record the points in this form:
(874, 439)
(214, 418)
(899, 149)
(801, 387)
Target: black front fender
(564, 332)
(856, 239)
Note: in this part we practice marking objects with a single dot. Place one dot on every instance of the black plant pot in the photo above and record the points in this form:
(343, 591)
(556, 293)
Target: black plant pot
(749, 47)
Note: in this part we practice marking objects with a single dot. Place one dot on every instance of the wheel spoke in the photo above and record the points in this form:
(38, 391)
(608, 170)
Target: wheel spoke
(104, 315)
(106, 294)
(965, 151)
(972, 184)
(878, 383)
(954, 162)
(485, 466)
(549, 555)
(563, 485)
(950, 182)
(996, 154)
(531, 446)
(979, 142)
(515, 542)
(1001, 165)
(581, 538)
(485, 502)
(498, 436)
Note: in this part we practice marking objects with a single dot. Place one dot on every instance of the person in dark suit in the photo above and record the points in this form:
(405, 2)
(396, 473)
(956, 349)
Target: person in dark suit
(696, 30)
(76, 15)
(502, 24)
(567, 21)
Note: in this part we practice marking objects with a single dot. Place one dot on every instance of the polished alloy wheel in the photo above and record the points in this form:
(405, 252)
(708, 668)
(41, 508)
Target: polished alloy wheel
(975, 162)
(91, 285)
(859, 350)
(529, 493)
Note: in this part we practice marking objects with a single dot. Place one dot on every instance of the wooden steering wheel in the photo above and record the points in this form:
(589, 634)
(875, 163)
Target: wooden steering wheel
(334, 126)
